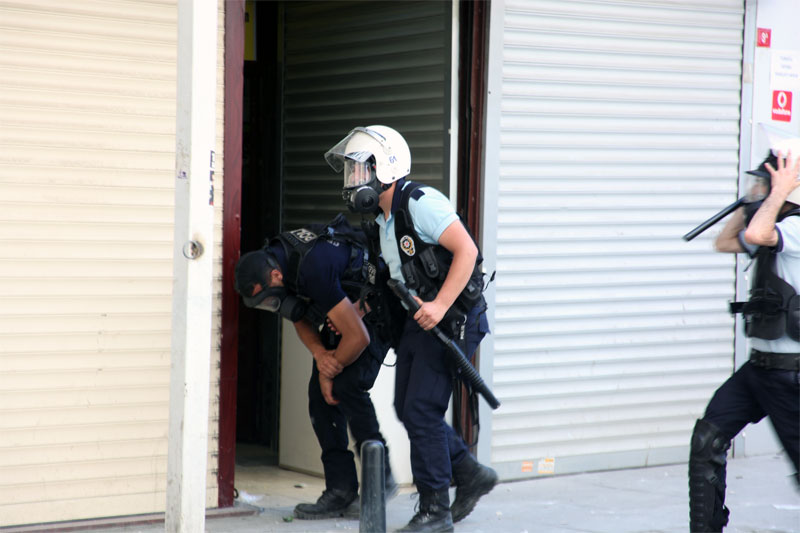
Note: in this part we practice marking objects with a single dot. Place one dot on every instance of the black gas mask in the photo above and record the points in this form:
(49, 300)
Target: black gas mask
(363, 198)
(278, 300)
(362, 190)
(252, 276)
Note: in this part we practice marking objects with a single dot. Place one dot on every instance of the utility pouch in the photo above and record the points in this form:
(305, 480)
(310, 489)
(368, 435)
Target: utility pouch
(764, 316)
(429, 263)
(410, 275)
(471, 294)
(330, 340)
(454, 324)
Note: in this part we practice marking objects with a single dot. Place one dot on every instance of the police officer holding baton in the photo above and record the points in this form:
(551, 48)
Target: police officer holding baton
(426, 246)
(766, 227)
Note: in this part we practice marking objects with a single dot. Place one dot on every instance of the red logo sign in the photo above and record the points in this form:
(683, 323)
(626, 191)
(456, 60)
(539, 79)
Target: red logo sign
(764, 37)
(782, 106)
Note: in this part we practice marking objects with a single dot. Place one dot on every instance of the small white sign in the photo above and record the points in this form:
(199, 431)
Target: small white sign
(785, 72)
(547, 465)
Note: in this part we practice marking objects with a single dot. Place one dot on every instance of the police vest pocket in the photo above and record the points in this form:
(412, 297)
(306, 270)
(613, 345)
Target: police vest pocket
(410, 275)
(429, 263)
(793, 316)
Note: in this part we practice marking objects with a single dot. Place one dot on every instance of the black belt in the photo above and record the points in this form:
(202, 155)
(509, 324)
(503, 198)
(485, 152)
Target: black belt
(775, 361)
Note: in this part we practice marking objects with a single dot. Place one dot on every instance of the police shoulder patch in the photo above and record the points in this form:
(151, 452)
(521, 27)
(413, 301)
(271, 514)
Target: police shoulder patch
(304, 235)
(407, 245)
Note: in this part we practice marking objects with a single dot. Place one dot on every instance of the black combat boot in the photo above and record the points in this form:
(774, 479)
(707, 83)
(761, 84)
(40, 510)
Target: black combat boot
(332, 504)
(434, 512)
(473, 480)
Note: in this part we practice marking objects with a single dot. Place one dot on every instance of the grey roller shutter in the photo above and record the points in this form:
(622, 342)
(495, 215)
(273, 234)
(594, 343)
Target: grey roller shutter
(349, 64)
(617, 130)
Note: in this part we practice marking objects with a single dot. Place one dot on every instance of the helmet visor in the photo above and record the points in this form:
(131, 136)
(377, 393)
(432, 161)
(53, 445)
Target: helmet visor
(352, 147)
(357, 173)
(756, 187)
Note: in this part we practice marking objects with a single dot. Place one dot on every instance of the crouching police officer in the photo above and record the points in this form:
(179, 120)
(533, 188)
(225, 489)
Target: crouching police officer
(427, 247)
(767, 228)
(309, 277)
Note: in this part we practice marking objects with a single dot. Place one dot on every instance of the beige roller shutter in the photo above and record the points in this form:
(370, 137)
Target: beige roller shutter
(87, 140)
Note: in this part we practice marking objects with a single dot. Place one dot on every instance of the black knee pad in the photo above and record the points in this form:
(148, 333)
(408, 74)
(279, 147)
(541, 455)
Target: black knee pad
(707, 459)
(709, 446)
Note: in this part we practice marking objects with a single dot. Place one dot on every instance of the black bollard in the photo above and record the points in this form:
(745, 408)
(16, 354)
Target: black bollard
(373, 497)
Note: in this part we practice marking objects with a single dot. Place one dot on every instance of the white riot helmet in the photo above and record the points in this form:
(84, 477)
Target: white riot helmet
(367, 156)
(781, 143)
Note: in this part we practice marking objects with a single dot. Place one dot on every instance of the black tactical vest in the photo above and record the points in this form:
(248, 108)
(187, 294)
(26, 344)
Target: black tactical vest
(297, 243)
(774, 306)
(425, 266)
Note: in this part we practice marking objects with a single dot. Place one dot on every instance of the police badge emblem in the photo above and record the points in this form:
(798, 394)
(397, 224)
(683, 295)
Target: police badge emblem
(407, 245)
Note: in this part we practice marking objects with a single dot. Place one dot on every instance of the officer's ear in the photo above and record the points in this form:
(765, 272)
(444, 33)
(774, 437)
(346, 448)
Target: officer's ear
(275, 278)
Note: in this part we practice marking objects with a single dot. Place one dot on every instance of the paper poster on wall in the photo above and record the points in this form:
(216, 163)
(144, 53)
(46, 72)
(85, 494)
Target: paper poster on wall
(785, 70)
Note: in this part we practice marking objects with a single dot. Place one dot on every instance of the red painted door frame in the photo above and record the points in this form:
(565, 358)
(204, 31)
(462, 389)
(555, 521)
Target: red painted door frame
(474, 28)
(231, 238)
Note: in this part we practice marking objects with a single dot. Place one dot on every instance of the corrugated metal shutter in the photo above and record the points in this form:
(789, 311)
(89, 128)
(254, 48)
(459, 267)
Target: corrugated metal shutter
(349, 64)
(618, 127)
(87, 141)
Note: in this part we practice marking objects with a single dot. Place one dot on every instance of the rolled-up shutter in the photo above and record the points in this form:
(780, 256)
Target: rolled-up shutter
(349, 64)
(87, 142)
(614, 126)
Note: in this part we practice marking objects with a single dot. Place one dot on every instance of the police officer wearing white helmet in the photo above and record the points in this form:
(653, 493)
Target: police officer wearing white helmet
(767, 228)
(427, 247)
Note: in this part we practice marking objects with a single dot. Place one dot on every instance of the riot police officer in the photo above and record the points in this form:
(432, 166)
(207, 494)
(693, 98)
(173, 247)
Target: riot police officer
(767, 227)
(310, 279)
(426, 246)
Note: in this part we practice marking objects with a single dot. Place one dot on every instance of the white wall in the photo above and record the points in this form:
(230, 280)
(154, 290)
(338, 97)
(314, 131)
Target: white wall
(762, 75)
(298, 446)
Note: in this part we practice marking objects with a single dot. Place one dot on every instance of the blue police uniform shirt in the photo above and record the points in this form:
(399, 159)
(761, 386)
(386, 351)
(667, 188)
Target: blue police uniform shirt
(432, 213)
(321, 273)
(787, 266)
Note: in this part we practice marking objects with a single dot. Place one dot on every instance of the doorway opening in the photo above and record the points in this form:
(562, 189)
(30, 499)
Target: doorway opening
(305, 87)
(257, 423)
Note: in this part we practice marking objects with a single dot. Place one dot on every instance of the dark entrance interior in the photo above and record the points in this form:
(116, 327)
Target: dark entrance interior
(259, 332)
(306, 81)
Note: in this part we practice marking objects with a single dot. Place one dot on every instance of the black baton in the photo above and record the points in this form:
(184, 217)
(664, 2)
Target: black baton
(469, 373)
(713, 220)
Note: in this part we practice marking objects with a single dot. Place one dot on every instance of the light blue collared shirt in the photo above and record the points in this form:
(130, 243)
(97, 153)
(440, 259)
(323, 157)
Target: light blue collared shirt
(431, 214)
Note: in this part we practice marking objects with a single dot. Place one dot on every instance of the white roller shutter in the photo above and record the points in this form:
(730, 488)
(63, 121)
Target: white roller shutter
(613, 129)
(87, 140)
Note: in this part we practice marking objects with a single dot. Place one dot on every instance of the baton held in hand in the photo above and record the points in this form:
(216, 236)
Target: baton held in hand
(468, 372)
